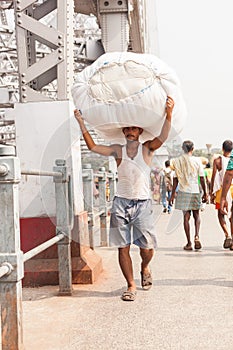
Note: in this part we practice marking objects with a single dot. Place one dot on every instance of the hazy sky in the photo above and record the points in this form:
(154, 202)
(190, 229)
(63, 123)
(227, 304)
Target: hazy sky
(196, 39)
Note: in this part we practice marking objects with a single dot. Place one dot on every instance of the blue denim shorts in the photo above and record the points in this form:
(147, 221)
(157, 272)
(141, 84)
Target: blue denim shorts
(132, 221)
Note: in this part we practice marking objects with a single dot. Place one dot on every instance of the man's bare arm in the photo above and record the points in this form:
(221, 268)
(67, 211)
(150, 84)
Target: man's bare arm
(226, 183)
(174, 186)
(92, 146)
(212, 180)
(225, 188)
(203, 186)
(159, 140)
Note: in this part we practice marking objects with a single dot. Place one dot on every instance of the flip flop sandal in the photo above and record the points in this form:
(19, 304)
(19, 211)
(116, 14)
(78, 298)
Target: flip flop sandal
(227, 243)
(188, 247)
(197, 244)
(129, 295)
(146, 281)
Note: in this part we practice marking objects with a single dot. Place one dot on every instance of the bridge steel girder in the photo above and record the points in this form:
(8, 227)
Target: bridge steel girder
(114, 22)
(57, 64)
(120, 21)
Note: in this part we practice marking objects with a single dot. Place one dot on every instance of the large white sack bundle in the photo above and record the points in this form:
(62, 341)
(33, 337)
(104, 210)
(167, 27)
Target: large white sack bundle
(128, 89)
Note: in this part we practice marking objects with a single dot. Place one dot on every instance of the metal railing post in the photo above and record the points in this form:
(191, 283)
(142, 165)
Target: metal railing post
(63, 226)
(102, 179)
(88, 184)
(112, 185)
(10, 253)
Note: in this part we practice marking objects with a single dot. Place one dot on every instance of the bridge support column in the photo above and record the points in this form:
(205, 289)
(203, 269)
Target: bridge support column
(10, 253)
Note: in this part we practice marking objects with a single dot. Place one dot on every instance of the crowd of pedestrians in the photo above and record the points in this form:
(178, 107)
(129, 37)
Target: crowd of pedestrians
(188, 183)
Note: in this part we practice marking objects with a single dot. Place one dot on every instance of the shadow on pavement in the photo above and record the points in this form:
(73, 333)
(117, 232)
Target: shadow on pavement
(194, 282)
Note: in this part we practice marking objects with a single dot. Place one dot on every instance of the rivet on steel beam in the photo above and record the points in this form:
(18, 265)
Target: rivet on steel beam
(60, 162)
(24, 96)
(23, 82)
(23, 88)
(4, 170)
(19, 22)
(10, 267)
(60, 57)
(59, 43)
(59, 36)
(23, 75)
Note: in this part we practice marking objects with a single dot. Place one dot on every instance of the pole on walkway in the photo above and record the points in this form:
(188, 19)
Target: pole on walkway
(11, 284)
(63, 226)
(112, 185)
(102, 179)
(88, 184)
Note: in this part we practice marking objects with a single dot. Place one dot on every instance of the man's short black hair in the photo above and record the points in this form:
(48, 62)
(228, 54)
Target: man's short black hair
(167, 163)
(227, 146)
(187, 146)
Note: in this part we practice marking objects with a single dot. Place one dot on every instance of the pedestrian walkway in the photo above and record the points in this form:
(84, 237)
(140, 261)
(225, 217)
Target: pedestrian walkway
(189, 307)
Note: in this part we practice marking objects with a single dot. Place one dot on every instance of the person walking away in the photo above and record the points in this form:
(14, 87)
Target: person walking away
(132, 205)
(187, 169)
(219, 168)
(227, 182)
(166, 187)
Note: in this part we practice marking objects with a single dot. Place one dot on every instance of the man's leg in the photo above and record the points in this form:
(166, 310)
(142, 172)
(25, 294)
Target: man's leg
(146, 255)
(187, 227)
(146, 276)
(222, 222)
(127, 267)
(228, 240)
(168, 198)
(231, 223)
(164, 200)
(197, 223)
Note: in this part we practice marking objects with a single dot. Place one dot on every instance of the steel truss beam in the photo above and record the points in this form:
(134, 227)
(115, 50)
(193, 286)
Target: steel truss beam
(57, 63)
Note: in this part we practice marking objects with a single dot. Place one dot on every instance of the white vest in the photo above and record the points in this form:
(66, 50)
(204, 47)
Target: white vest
(133, 176)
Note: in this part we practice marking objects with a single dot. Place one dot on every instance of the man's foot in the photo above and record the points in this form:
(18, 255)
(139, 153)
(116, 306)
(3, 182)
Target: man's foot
(197, 243)
(129, 295)
(164, 210)
(188, 246)
(146, 280)
(227, 243)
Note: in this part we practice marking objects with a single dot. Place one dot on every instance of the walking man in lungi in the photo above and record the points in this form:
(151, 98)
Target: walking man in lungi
(132, 219)
(189, 197)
